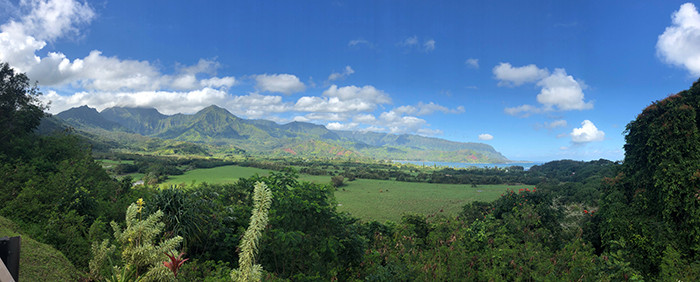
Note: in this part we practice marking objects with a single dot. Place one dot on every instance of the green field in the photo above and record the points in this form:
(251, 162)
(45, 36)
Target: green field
(367, 199)
(229, 174)
(383, 200)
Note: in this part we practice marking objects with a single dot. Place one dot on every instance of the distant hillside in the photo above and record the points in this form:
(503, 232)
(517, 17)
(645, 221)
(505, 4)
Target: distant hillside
(414, 147)
(84, 116)
(217, 126)
(139, 120)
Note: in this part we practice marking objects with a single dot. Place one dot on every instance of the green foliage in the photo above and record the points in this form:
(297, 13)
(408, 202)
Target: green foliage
(55, 191)
(247, 269)
(653, 203)
(137, 247)
(39, 261)
(337, 180)
(20, 109)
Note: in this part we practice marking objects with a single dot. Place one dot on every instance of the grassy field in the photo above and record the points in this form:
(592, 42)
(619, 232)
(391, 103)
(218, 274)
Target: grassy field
(383, 200)
(229, 174)
(367, 199)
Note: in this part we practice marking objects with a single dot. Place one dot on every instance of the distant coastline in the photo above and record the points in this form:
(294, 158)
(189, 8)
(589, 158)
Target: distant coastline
(526, 165)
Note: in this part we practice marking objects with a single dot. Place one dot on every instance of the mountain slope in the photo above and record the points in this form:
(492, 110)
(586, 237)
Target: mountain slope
(217, 126)
(140, 120)
(84, 116)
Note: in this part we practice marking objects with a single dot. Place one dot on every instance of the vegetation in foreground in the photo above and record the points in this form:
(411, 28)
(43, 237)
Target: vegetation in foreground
(634, 221)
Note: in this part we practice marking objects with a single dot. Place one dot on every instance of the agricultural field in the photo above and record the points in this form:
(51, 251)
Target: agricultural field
(383, 200)
(368, 199)
(229, 174)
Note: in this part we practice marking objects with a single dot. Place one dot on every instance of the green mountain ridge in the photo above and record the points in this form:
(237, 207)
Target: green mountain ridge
(217, 126)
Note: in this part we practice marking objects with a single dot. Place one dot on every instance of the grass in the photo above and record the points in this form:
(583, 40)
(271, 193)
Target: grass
(230, 174)
(38, 261)
(383, 200)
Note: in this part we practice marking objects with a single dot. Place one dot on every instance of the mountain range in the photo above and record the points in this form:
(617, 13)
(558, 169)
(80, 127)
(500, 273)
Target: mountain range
(218, 127)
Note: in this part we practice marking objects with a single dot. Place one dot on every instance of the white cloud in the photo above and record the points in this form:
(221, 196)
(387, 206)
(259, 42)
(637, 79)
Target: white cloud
(680, 43)
(280, 83)
(413, 44)
(255, 105)
(49, 20)
(399, 124)
(556, 124)
(341, 75)
(359, 42)
(563, 92)
(559, 91)
(588, 132)
(425, 109)
(472, 63)
(522, 110)
(341, 126)
(167, 102)
(410, 41)
(344, 99)
(514, 76)
(429, 45)
(217, 82)
(485, 137)
(365, 118)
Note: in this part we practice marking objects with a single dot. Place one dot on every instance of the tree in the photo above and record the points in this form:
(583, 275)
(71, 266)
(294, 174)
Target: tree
(20, 108)
(337, 181)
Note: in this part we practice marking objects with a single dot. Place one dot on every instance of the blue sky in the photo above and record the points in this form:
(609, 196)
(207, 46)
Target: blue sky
(538, 80)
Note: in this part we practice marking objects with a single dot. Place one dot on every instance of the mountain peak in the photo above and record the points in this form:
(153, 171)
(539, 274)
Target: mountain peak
(214, 109)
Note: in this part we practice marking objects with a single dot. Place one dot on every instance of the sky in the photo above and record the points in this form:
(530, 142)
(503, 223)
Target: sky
(537, 80)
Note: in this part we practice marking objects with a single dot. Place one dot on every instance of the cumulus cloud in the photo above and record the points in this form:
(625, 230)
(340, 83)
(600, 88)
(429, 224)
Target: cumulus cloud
(341, 75)
(678, 45)
(279, 83)
(472, 63)
(563, 92)
(49, 20)
(344, 99)
(515, 76)
(399, 124)
(559, 91)
(588, 132)
(167, 102)
(485, 137)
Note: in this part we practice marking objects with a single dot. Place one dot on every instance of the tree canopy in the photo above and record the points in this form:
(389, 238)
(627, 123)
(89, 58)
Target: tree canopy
(20, 108)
